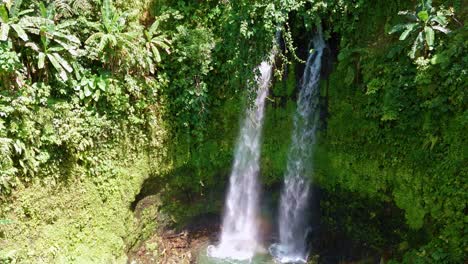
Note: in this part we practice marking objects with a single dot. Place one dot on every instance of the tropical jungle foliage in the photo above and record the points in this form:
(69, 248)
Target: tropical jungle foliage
(98, 97)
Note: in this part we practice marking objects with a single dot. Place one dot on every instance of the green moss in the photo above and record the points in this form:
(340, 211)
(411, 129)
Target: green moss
(72, 223)
(287, 87)
(276, 139)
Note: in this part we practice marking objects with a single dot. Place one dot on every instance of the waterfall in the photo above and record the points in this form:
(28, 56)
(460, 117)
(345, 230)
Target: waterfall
(292, 247)
(239, 235)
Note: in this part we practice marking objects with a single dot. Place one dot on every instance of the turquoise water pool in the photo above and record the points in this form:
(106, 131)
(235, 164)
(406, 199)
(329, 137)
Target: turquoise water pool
(203, 258)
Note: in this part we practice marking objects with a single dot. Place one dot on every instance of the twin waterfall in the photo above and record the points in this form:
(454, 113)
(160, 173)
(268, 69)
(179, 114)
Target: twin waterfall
(239, 235)
(292, 246)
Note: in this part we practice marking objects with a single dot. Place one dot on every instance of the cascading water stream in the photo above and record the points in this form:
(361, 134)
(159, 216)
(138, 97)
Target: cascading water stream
(239, 235)
(292, 247)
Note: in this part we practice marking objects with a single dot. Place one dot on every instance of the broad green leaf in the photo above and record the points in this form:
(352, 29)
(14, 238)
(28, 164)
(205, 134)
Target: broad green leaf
(42, 9)
(428, 4)
(156, 54)
(441, 20)
(87, 92)
(417, 42)
(408, 30)
(162, 45)
(63, 62)
(147, 35)
(154, 27)
(397, 28)
(96, 95)
(5, 28)
(106, 13)
(41, 60)
(150, 64)
(56, 49)
(19, 30)
(76, 70)
(429, 36)
(30, 27)
(102, 84)
(32, 45)
(58, 67)
(81, 94)
(423, 15)
(441, 29)
(68, 37)
(3, 14)
(24, 12)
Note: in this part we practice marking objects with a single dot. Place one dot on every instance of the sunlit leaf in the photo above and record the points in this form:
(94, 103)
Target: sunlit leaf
(58, 67)
(32, 46)
(5, 28)
(408, 30)
(102, 84)
(429, 36)
(63, 62)
(3, 14)
(156, 54)
(441, 29)
(21, 33)
(41, 60)
(423, 15)
(417, 42)
(441, 20)
(87, 92)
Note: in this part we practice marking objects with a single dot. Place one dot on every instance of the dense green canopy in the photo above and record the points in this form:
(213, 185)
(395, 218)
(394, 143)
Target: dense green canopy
(98, 96)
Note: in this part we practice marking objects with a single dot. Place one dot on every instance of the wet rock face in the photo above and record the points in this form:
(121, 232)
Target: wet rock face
(172, 246)
(266, 229)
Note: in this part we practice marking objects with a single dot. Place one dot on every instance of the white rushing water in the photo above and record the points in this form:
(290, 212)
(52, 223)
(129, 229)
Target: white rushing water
(293, 227)
(239, 235)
